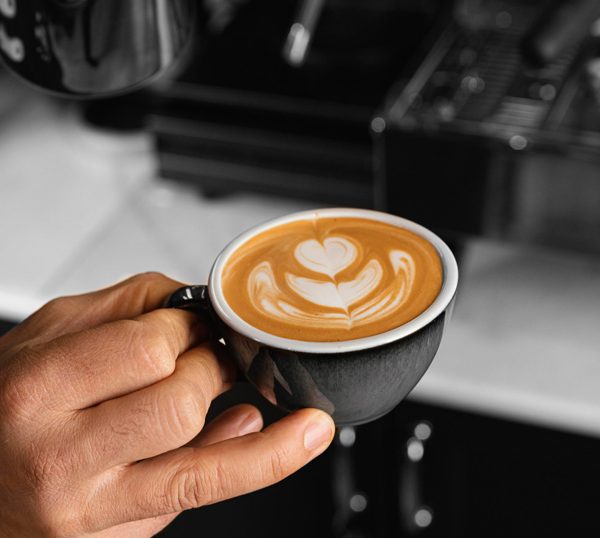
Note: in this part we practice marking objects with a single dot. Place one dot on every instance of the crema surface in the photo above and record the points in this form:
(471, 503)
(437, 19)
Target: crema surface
(332, 279)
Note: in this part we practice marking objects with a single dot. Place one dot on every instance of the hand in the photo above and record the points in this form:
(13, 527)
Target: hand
(103, 399)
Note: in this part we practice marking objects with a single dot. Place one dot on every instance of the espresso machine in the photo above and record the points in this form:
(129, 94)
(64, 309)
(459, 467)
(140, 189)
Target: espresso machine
(263, 95)
(437, 110)
(344, 102)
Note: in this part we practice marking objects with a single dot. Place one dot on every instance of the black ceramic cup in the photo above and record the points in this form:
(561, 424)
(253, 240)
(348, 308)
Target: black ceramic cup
(355, 381)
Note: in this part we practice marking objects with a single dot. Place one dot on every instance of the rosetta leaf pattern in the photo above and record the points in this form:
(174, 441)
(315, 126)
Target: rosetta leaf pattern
(374, 290)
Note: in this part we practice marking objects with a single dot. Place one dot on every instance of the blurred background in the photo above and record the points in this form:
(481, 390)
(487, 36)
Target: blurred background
(477, 118)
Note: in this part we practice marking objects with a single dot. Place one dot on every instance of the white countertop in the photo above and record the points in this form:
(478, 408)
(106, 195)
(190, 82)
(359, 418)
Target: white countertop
(80, 209)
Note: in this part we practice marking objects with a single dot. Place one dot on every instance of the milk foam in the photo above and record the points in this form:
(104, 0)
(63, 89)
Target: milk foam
(330, 257)
(332, 279)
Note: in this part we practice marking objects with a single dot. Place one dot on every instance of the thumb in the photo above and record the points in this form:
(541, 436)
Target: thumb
(190, 477)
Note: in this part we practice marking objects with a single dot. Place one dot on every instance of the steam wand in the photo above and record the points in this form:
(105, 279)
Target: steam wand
(301, 32)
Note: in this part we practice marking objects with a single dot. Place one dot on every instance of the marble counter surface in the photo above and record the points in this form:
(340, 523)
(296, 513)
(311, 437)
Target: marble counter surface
(80, 209)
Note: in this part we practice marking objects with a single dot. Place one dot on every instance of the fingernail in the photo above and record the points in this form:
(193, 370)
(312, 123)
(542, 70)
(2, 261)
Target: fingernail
(252, 423)
(318, 433)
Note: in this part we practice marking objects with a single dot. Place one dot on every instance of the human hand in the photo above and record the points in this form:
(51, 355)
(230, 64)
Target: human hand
(103, 399)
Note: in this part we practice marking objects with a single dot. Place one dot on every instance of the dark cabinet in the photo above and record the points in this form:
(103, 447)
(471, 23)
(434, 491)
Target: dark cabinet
(477, 476)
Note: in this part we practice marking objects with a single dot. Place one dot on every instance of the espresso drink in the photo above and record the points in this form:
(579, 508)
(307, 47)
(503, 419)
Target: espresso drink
(331, 279)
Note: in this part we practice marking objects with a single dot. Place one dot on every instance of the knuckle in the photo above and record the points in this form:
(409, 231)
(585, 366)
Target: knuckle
(278, 465)
(201, 372)
(170, 328)
(183, 414)
(151, 348)
(189, 490)
(144, 284)
(58, 307)
(148, 279)
(197, 486)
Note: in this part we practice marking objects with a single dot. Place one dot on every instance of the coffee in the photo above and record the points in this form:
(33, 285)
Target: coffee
(332, 279)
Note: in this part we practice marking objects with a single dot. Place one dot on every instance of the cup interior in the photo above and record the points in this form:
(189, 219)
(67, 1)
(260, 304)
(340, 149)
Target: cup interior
(234, 321)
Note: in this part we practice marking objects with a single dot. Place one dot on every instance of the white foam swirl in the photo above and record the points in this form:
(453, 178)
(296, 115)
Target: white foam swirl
(342, 295)
(338, 303)
(329, 258)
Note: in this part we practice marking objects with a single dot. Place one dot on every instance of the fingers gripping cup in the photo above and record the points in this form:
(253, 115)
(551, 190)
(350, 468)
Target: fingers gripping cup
(339, 309)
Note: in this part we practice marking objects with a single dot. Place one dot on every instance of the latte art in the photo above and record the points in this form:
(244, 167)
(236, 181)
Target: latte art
(332, 279)
(346, 301)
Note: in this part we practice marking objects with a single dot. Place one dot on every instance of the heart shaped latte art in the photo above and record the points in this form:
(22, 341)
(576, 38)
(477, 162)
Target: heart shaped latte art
(330, 257)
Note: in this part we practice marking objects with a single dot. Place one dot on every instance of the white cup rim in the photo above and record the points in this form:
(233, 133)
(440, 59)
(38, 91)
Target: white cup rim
(439, 305)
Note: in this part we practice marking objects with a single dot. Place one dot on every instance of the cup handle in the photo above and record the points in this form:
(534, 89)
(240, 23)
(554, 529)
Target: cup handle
(192, 298)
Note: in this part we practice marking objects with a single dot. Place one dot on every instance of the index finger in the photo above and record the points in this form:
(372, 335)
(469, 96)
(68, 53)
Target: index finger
(85, 368)
(127, 299)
